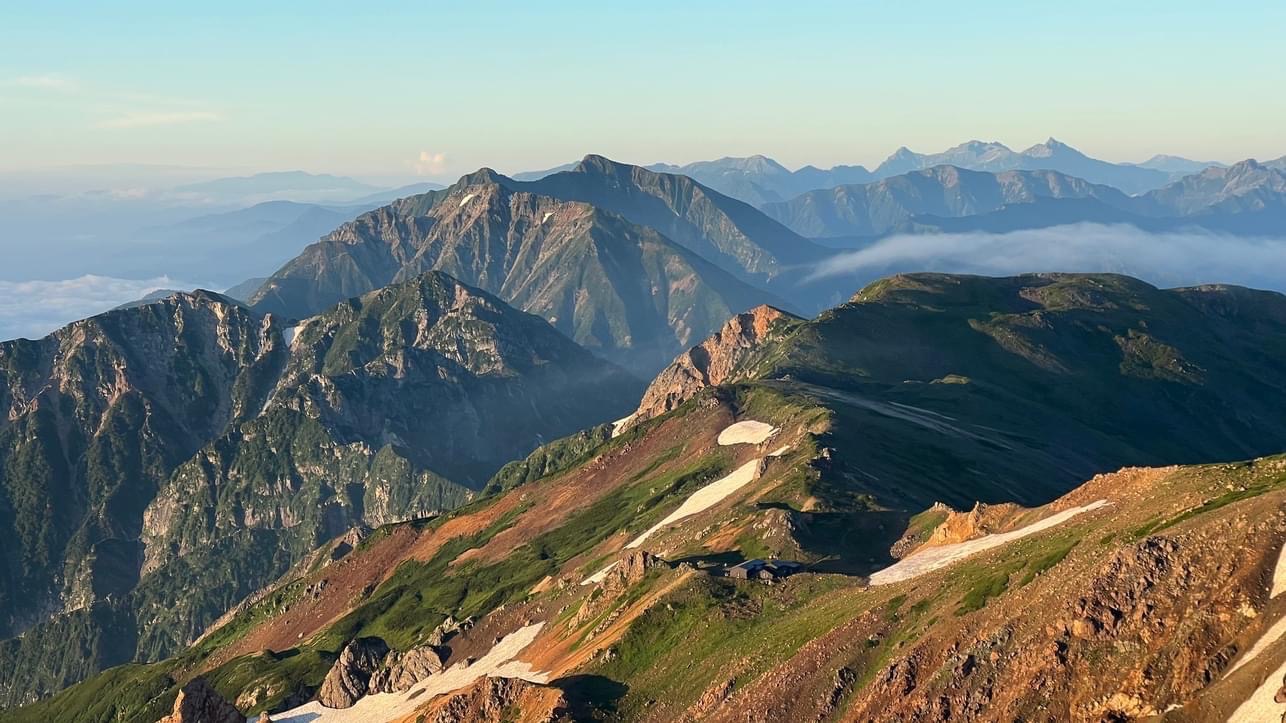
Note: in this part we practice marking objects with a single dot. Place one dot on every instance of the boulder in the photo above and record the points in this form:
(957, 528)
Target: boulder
(403, 670)
(198, 702)
(349, 678)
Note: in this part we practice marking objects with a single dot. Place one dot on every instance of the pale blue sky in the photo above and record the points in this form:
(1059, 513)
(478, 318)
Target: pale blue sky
(369, 88)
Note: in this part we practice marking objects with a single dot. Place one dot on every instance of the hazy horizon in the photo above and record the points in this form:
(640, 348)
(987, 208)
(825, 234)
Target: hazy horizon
(436, 92)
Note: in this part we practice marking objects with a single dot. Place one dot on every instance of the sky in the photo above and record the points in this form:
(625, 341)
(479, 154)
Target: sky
(433, 90)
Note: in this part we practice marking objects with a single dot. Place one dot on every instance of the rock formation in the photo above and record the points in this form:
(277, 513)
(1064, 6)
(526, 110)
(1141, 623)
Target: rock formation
(710, 363)
(198, 702)
(349, 678)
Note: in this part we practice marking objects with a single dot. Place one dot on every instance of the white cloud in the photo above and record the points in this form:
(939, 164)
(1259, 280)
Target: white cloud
(429, 164)
(1178, 258)
(142, 119)
(48, 81)
(32, 309)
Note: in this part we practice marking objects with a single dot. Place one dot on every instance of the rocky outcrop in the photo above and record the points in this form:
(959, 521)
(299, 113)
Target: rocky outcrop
(403, 670)
(715, 361)
(493, 700)
(632, 567)
(349, 678)
(198, 702)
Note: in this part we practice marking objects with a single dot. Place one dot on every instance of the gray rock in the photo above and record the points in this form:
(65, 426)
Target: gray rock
(198, 702)
(403, 670)
(349, 678)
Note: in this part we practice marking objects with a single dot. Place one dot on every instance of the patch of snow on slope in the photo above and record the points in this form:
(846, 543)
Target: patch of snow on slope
(499, 661)
(1262, 705)
(936, 558)
(706, 497)
(1278, 629)
(1279, 575)
(1270, 636)
(619, 425)
(599, 576)
(747, 432)
(466, 199)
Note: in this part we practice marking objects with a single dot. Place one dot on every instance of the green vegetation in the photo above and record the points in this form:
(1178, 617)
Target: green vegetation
(1049, 559)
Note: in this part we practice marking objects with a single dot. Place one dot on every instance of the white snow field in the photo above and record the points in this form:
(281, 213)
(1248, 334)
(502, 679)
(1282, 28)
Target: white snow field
(706, 497)
(936, 558)
(499, 661)
(747, 432)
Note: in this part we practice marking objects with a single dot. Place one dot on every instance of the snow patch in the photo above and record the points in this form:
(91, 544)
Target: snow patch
(706, 497)
(1270, 636)
(1262, 706)
(619, 425)
(1279, 575)
(747, 432)
(936, 558)
(499, 661)
(466, 199)
(599, 576)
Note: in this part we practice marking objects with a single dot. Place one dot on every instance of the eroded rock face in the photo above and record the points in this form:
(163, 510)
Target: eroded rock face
(349, 678)
(711, 363)
(492, 700)
(198, 702)
(403, 670)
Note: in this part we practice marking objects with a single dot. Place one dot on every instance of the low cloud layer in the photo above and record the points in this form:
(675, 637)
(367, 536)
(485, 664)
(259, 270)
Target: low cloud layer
(32, 309)
(1164, 259)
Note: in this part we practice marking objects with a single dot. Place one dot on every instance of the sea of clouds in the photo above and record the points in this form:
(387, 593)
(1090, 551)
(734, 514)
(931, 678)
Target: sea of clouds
(1165, 259)
(32, 309)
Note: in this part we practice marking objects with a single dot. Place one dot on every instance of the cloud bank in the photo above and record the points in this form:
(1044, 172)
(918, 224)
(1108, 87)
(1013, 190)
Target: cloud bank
(1164, 259)
(32, 309)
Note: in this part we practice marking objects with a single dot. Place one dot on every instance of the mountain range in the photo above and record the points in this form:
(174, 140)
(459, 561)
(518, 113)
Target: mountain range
(760, 180)
(1246, 198)
(788, 528)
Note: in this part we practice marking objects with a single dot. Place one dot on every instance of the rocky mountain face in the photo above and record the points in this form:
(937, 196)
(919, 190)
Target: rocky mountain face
(622, 290)
(97, 416)
(647, 575)
(942, 191)
(384, 409)
(729, 233)
(1245, 187)
(713, 362)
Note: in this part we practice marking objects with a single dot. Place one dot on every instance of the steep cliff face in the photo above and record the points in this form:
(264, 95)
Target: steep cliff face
(714, 361)
(97, 416)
